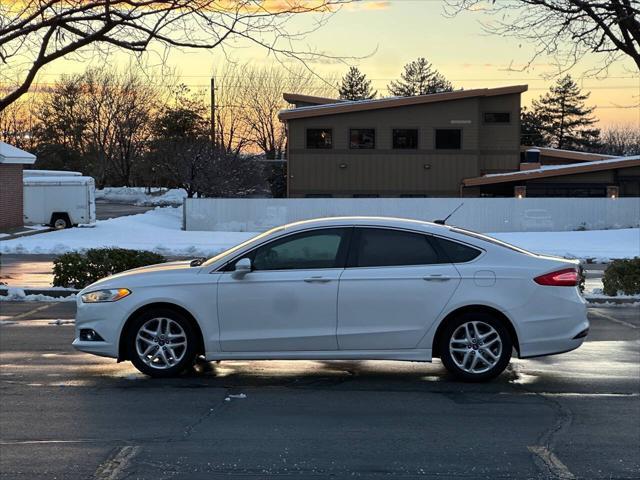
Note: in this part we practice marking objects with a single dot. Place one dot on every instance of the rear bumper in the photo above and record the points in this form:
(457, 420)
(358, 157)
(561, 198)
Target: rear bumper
(557, 327)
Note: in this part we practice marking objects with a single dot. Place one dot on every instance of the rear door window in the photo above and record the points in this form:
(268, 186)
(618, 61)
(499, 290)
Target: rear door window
(381, 247)
(456, 252)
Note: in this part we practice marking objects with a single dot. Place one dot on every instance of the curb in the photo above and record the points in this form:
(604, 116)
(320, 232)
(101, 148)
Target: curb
(26, 233)
(615, 300)
(55, 293)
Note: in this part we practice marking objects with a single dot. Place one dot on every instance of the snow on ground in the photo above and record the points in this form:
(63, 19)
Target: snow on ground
(18, 294)
(159, 230)
(139, 196)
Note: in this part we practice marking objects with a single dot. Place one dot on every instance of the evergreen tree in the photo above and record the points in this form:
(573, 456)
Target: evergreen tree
(419, 78)
(564, 120)
(530, 129)
(355, 86)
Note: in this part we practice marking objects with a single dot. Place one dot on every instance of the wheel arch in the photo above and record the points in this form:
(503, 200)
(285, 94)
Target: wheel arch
(474, 309)
(122, 349)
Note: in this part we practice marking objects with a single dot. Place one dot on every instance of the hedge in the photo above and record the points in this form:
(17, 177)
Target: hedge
(622, 276)
(77, 270)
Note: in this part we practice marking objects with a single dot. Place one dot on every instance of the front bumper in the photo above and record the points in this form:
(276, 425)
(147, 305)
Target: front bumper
(106, 319)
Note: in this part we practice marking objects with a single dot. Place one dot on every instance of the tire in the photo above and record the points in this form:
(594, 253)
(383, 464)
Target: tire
(60, 221)
(489, 345)
(155, 343)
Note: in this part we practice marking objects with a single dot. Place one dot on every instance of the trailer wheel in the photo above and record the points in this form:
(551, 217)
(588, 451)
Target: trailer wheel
(60, 221)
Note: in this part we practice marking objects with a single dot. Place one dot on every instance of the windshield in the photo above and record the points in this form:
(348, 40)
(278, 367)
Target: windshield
(495, 241)
(240, 246)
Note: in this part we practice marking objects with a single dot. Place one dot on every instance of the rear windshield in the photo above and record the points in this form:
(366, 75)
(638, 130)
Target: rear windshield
(495, 241)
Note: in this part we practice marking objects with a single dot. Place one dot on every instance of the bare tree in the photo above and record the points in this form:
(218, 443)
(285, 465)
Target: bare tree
(565, 29)
(620, 140)
(35, 33)
(97, 122)
(263, 90)
(232, 131)
(17, 124)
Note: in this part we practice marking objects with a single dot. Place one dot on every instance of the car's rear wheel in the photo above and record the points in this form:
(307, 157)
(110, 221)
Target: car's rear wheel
(162, 343)
(475, 347)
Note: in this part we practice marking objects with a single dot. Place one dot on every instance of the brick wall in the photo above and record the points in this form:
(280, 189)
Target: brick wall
(10, 196)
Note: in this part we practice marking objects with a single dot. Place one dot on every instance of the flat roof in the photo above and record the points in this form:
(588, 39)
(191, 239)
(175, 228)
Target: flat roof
(298, 97)
(392, 102)
(568, 154)
(11, 154)
(553, 171)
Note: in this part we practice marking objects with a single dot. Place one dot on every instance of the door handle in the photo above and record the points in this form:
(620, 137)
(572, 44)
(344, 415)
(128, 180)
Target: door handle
(436, 278)
(317, 280)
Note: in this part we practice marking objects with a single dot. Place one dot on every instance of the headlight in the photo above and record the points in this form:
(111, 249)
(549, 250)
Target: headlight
(105, 295)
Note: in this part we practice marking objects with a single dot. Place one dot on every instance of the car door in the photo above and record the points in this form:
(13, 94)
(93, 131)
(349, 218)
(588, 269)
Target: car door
(288, 301)
(394, 287)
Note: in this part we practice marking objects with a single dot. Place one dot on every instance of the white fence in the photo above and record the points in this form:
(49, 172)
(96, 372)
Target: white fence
(479, 214)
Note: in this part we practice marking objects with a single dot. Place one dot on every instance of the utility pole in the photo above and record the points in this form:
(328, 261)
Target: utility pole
(213, 113)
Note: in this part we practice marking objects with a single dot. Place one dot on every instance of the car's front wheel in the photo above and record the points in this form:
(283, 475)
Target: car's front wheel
(475, 347)
(162, 343)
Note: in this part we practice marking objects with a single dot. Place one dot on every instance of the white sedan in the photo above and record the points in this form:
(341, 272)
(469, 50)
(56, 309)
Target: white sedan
(341, 288)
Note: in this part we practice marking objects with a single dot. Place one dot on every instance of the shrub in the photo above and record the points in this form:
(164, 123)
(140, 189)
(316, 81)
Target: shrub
(77, 270)
(622, 276)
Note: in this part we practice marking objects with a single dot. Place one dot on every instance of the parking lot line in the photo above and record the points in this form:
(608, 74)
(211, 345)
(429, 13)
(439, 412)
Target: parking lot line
(615, 320)
(32, 311)
(115, 466)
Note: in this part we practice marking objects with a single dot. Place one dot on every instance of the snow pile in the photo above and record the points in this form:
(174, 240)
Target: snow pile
(17, 294)
(159, 230)
(601, 246)
(139, 196)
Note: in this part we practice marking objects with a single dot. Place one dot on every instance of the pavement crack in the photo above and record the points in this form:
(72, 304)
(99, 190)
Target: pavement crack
(188, 431)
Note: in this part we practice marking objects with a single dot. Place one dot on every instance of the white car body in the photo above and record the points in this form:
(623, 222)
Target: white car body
(345, 313)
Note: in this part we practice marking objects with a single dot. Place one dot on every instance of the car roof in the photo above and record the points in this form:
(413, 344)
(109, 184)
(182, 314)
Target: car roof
(365, 220)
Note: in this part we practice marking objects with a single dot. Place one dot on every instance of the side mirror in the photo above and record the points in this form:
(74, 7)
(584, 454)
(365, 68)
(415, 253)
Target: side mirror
(242, 267)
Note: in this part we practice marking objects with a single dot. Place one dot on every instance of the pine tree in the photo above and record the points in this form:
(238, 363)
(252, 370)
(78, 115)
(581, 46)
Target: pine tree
(530, 129)
(419, 78)
(355, 86)
(564, 120)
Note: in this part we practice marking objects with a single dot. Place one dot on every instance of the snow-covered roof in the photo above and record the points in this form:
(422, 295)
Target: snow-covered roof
(554, 170)
(390, 102)
(11, 154)
(50, 173)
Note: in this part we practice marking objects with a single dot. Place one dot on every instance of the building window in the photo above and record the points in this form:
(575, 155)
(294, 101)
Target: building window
(448, 139)
(319, 138)
(497, 117)
(362, 138)
(405, 138)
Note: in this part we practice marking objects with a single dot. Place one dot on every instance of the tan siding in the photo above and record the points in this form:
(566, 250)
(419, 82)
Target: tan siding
(385, 171)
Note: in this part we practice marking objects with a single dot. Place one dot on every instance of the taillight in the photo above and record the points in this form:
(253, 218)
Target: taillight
(567, 277)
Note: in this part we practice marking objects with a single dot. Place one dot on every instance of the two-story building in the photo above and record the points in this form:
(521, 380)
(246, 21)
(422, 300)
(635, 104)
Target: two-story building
(422, 146)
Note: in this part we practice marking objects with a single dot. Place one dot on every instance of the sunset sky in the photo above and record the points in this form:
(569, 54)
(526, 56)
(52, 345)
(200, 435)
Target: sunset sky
(388, 34)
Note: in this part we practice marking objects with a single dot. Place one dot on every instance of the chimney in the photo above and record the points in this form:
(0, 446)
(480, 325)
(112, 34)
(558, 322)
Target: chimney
(531, 159)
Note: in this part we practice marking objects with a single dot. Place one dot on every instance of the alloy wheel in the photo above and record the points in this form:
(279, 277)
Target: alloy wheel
(475, 347)
(161, 343)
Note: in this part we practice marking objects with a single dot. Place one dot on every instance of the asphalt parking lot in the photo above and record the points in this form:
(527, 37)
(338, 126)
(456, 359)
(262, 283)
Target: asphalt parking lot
(64, 414)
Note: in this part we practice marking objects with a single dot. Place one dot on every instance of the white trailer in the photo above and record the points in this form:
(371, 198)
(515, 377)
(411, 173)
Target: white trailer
(61, 201)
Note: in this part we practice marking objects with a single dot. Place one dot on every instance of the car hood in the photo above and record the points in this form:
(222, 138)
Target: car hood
(147, 273)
